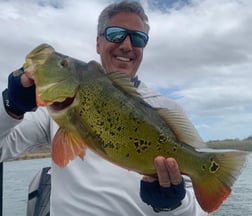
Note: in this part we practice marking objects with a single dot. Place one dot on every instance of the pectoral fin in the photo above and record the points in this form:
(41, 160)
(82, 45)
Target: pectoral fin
(66, 146)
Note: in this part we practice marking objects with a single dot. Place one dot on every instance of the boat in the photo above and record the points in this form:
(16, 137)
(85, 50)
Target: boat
(39, 192)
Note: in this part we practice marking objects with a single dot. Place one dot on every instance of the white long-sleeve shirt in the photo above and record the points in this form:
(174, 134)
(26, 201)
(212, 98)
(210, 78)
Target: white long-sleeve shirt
(92, 186)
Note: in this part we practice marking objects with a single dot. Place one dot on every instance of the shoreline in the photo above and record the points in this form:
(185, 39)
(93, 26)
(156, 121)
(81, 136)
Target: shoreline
(41, 151)
(29, 156)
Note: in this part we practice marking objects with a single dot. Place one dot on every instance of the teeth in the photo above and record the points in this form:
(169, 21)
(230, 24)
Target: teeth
(123, 59)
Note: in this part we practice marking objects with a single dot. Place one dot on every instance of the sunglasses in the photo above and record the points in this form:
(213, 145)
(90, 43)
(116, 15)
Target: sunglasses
(116, 34)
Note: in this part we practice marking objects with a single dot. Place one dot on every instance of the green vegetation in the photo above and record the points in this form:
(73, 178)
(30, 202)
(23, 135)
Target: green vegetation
(244, 145)
(41, 151)
(28, 156)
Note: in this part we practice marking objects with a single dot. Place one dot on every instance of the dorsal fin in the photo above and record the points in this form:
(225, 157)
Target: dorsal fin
(182, 127)
(122, 81)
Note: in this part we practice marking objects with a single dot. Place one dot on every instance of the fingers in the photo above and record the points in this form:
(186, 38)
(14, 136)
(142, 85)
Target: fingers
(163, 174)
(166, 192)
(26, 81)
(168, 171)
(173, 170)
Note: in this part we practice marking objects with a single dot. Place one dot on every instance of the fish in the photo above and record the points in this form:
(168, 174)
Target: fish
(105, 113)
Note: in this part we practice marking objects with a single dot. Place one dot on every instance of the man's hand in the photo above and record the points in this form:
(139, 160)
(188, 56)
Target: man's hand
(19, 97)
(166, 192)
(26, 81)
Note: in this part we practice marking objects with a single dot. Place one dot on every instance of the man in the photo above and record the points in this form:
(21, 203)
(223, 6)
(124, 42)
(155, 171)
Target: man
(94, 186)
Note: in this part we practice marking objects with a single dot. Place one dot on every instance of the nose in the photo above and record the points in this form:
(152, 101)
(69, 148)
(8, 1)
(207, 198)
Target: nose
(126, 45)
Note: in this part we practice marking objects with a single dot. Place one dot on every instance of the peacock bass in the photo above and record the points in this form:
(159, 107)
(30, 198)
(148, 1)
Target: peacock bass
(104, 112)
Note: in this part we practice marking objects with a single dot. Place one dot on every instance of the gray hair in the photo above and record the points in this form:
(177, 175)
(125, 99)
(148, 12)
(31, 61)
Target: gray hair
(123, 6)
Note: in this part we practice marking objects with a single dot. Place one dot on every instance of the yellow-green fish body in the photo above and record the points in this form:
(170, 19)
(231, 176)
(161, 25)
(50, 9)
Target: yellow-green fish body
(105, 113)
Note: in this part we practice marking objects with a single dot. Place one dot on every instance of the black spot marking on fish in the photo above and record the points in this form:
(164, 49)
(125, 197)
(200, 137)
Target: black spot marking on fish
(162, 139)
(136, 143)
(214, 166)
(117, 146)
(112, 133)
(100, 123)
(144, 148)
(127, 155)
(141, 145)
(134, 118)
(82, 111)
(175, 148)
(119, 128)
(203, 167)
(108, 145)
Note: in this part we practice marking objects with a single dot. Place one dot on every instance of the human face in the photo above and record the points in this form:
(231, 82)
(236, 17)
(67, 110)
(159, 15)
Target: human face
(121, 57)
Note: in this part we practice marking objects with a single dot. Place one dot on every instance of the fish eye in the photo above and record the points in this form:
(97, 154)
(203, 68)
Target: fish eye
(64, 62)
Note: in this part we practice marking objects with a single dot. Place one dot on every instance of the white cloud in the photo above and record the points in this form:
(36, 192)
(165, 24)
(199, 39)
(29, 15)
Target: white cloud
(200, 54)
(200, 40)
(71, 29)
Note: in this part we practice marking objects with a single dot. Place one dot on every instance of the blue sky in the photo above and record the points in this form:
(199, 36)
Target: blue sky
(199, 52)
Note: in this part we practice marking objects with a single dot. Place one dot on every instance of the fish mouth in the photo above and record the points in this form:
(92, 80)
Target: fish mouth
(58, 106)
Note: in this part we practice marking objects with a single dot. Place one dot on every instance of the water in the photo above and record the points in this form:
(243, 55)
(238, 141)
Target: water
(18, 174)
(17, 177)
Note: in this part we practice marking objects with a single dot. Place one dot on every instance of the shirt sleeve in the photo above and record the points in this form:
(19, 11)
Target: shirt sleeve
(18, 136)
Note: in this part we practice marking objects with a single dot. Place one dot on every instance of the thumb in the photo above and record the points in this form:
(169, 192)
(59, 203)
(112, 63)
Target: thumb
(26, 81)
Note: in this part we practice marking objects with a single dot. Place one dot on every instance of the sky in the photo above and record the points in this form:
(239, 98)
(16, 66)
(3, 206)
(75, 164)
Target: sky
(199, 52)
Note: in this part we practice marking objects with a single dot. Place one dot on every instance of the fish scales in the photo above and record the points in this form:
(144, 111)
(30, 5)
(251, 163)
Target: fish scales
(129, 134)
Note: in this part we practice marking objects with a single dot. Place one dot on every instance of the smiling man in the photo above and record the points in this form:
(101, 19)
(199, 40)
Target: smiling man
(122, 55)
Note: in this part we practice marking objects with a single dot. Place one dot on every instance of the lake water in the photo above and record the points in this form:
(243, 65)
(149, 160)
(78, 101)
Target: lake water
(17, 177)
(18, 174)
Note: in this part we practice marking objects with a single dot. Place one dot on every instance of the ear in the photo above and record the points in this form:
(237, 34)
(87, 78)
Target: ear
(98, 44)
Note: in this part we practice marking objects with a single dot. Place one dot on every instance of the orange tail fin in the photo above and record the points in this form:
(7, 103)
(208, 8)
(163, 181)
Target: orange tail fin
(212, 189)
(65, 147)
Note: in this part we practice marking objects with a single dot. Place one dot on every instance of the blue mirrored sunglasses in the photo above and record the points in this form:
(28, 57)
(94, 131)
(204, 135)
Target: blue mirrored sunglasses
(116, 34)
